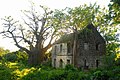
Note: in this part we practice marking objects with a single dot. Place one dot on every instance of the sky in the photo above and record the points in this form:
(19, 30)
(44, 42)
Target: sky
(13, 8)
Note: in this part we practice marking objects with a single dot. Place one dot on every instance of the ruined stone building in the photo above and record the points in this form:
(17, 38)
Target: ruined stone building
(89, 49)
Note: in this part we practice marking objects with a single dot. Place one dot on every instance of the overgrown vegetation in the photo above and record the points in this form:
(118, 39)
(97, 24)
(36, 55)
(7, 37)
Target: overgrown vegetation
(14, 65)
(19, 71)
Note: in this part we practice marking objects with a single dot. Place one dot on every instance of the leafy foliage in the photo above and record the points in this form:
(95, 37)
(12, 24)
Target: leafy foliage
(5, 73)
(114, 11)
(18, 56)
(19, 71)
(3, 51)
(70, 67)
(109, 60)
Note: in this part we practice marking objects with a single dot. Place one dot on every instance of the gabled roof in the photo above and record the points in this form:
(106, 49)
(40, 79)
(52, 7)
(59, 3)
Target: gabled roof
(70, 37)
(65, 38)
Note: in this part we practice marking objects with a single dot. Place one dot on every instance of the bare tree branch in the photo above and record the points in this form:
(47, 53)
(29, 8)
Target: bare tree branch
(37, 29)
(10, 31)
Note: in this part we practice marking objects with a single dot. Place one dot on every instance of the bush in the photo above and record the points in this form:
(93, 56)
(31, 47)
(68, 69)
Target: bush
(72, 75)
(5, 73)
(100, 75)
(45, 75)
(109, 61)
(19, 71)
(117, 62)
(115, 73)
(30, 73)
(17, 56)
(10, 57)
(70, 67)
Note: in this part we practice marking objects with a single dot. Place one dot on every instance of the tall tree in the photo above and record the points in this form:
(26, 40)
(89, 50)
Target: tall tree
(36, 32)
(81, 16)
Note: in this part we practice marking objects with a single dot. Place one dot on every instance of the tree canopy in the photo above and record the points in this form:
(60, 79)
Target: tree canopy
(114, 11)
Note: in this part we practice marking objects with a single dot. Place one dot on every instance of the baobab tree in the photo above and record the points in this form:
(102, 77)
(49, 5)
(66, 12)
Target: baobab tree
(36, 32)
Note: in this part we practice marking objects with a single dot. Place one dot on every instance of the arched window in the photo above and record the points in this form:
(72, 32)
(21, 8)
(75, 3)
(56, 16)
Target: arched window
(97, 63)
(54, 62)
(68, 48)
(60, 47)
(61, 63)
(68, 61)
(55, 49)
(86, 65)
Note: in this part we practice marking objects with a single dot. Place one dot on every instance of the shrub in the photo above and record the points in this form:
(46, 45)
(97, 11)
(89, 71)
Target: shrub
(108, 61)
(117, 62)
(70, 67)
(100, 75)
(5, 73)
(45, 75)
(10, 57)
(72, 75)
(18, 56)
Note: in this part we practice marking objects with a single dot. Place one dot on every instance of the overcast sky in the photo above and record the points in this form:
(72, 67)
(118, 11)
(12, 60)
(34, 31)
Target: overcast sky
(13, 7)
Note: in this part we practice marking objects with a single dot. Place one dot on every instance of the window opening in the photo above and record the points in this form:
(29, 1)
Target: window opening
(97, 46)
(55, 49)
(60, 47)
(68, 61)
(85, 64)
(86, 46)
(97, 63)
(54, 62)
(61, 63)
(68, 47)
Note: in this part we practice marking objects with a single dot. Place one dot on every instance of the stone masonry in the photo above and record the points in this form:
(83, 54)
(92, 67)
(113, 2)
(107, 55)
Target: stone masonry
(90, 49)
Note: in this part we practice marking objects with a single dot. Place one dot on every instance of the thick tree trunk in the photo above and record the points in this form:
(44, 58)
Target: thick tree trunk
(35, 57)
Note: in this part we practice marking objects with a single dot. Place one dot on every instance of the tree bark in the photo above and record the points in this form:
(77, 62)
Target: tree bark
(75, 48)
(36, 57)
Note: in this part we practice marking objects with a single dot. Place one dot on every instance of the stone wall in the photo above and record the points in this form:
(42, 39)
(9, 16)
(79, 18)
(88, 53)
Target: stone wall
(60, 55)
(90, 57)
(90, 49)
(56, 61)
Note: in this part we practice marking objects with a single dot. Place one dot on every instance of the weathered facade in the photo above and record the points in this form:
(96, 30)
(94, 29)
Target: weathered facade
(89, 49)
